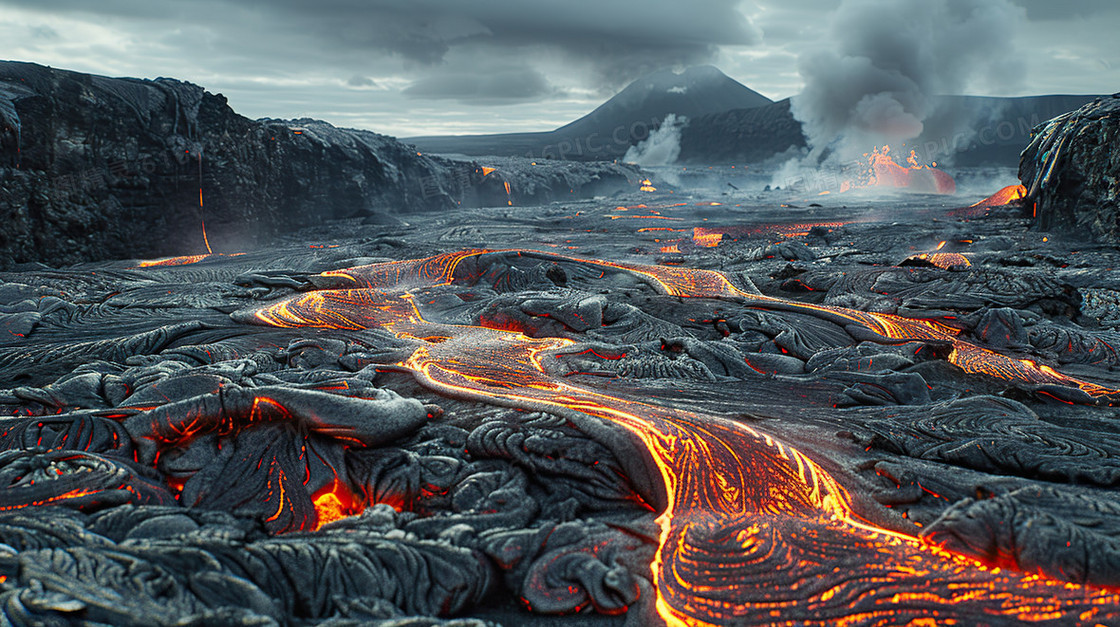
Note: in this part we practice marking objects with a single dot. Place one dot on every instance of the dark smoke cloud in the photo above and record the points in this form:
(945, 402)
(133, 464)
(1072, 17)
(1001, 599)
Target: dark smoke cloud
(889, 58)
(1062, 11)
(496, 87)
(620, 39)
(617, 40)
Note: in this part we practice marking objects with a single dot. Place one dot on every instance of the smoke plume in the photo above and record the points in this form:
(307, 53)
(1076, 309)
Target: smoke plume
(889, 58)
(663, 145)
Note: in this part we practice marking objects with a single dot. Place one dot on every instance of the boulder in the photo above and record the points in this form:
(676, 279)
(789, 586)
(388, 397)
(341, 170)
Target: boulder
(1072, 171)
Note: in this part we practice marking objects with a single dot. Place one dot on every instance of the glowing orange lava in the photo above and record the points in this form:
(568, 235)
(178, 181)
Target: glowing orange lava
(334, 502)
(1005, 196)
(752, 531)
(943, 260)
(173, 261)
(76, 493)
(882, 170)
(708, 238)
(184, 260)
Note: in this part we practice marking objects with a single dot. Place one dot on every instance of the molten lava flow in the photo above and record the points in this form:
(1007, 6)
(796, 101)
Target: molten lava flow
(334, 502)
(688, 283)
(183, 261)
(76, 493)
(945, 261)
(707, 238)
(1005, 196)
(939, 259)
(173, 261)
(201, 208)
(647, 186)
(1008, 195)
(752, 530)
(486, 171)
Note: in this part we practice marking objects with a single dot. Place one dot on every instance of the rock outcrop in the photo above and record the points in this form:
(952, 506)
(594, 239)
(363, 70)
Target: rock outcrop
(1072, 171)
(101, 168)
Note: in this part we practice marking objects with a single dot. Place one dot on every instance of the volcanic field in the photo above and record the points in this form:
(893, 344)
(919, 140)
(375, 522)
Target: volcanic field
(687, 407)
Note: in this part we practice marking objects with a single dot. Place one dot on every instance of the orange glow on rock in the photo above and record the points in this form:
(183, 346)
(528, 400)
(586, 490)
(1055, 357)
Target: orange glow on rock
(945, 261)
(173, 261)
(1005, 196)
(706, 238)
(76, 493)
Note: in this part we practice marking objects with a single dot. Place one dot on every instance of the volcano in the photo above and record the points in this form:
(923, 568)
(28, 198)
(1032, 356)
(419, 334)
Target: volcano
(622, 121)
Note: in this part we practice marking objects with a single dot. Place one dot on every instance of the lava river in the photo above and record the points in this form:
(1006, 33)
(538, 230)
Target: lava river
(752, 530)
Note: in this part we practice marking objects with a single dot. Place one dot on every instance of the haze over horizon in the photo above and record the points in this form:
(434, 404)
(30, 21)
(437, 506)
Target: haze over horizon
(433, 67)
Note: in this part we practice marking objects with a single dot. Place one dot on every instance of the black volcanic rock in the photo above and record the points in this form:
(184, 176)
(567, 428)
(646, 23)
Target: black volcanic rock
(546, 424)
(619, 123)
(97, 167)
(1072, 171)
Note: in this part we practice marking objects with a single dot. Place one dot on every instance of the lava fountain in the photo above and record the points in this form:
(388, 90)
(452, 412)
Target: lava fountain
(881, 170)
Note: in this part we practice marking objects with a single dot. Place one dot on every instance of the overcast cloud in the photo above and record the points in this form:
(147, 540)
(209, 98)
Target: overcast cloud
(410, 67)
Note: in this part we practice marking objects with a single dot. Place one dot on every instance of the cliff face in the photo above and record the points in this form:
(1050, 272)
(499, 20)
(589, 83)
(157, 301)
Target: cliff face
(94, 167)
(1072, 171)
(100, 168)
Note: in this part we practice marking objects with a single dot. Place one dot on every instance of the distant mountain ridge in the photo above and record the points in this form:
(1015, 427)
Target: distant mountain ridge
(962, 131)
(730, 123)
(621, 122)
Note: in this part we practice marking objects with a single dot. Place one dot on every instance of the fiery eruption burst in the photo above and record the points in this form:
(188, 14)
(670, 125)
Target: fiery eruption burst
(752, 530)
(882, 170)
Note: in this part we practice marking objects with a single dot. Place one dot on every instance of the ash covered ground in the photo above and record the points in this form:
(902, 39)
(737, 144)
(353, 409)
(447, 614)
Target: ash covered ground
(709, 407)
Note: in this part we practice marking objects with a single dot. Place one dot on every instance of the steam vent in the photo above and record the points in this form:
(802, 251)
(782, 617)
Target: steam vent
(1072, 171)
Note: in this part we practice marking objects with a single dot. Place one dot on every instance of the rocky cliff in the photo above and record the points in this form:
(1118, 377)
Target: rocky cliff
(98, 168)
(1072, 171)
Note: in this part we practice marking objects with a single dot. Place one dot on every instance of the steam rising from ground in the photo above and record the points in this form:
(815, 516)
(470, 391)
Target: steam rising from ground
(890, 57)
(663, 145)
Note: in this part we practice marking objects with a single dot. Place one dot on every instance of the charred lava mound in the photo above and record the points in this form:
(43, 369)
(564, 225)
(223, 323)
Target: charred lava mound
(681, 412)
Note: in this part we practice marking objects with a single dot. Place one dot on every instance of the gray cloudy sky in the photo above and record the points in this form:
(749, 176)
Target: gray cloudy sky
(411, 67)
